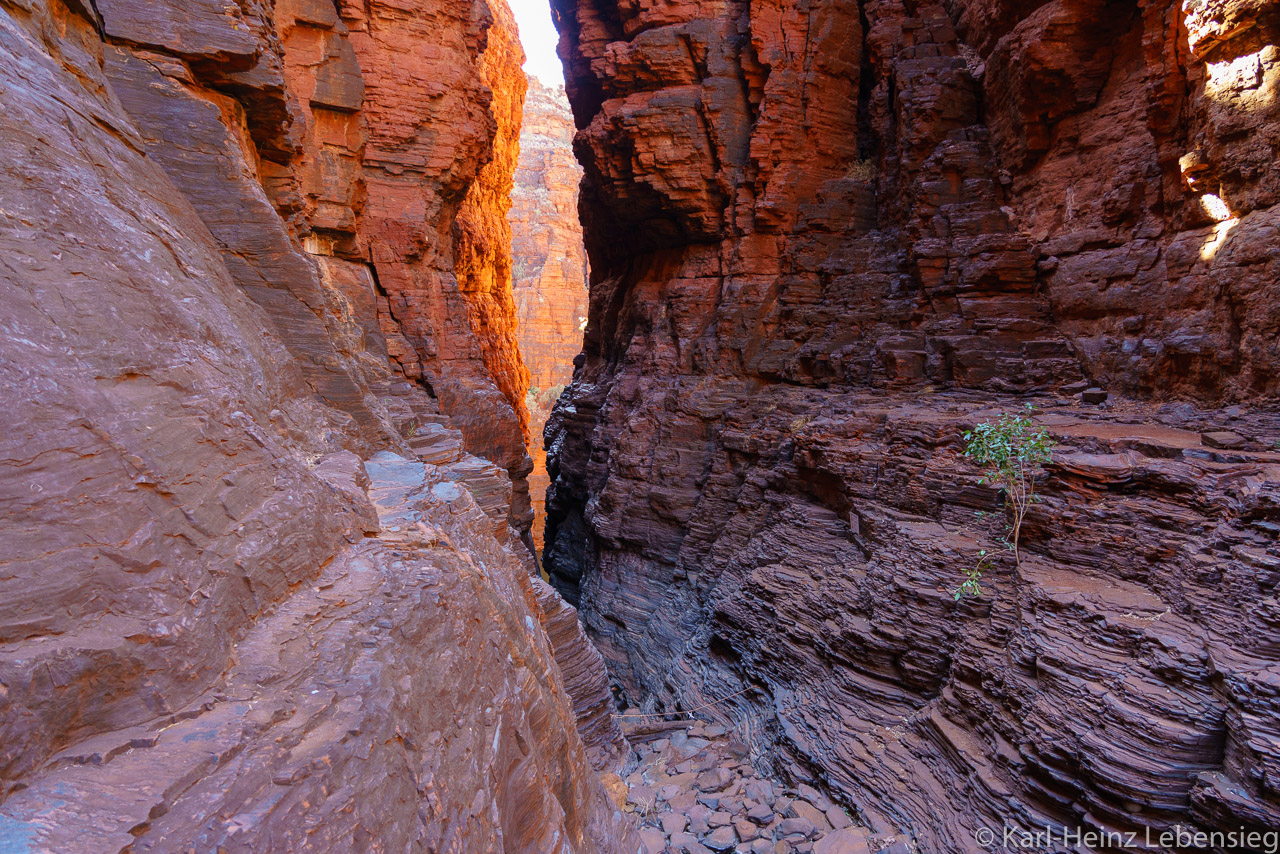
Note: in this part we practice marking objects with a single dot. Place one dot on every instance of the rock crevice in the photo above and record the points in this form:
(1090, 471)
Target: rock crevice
(550, 269)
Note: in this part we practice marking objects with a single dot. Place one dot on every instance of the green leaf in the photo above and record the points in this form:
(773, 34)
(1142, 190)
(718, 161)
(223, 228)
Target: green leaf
(1012, 452)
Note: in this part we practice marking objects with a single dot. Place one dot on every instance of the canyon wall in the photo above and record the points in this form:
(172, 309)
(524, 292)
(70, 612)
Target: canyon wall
(442, 105)
(261, 581)
(826, 239)
(550, 265)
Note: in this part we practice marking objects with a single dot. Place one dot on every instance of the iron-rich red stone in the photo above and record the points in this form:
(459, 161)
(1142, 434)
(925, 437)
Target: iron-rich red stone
(254, 592)
(434, 222)
(827, 238)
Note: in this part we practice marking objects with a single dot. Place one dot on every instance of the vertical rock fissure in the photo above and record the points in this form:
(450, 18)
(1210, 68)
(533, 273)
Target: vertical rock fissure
(549, 273)
(868, 147)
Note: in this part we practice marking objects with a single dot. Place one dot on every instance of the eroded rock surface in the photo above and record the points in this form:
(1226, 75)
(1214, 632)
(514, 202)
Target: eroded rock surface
(400, 698)
(549, 275)
(826, 239)
(210, 636)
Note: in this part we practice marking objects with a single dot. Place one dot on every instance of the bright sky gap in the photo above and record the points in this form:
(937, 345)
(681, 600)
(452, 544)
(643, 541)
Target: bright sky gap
(538, 36)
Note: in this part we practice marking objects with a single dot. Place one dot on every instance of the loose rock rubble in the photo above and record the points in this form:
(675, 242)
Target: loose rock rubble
(694, 791)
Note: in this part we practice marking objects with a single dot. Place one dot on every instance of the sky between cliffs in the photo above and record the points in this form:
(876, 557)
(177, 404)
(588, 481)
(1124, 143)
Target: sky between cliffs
(538, 36)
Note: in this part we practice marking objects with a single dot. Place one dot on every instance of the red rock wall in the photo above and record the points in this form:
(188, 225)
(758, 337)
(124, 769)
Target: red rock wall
(444, 111)
(550, 265)
(482, 241)
(255, 595)
(825, 239)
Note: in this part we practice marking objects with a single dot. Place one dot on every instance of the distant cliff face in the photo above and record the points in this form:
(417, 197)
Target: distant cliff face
(550, 269)
(262, 442)
(825, 240)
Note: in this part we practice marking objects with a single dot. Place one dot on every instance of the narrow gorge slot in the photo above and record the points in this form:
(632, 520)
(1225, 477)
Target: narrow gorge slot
(599, 427)
(549, 269)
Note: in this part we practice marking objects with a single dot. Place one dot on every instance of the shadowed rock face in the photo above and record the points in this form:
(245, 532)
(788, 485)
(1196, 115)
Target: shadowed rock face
(255, 592)
(550, 271)
(825, 240)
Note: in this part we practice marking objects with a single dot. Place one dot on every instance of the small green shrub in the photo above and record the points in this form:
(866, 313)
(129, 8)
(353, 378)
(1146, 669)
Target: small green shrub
(1012, 452)
(972, 577)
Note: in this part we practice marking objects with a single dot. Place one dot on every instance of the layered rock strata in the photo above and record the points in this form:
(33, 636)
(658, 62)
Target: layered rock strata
(550, 264)
(825, 240)
(255, 594)
(442, 101)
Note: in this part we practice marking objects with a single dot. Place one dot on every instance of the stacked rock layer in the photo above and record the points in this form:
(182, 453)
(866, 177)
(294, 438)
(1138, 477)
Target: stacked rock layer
(825, 240)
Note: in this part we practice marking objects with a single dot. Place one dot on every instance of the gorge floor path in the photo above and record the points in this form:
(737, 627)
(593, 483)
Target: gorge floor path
(693, 790)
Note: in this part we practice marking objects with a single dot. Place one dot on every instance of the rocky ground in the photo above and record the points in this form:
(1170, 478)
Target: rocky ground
(694, 791)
